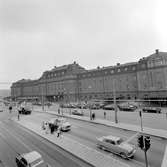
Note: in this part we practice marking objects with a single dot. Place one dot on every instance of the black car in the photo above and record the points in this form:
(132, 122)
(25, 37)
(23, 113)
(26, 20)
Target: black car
(127, 107)
(152, 109)
(109, 107)
(24, 110)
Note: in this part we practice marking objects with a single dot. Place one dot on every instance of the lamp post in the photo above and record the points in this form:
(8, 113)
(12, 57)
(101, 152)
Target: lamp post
(90, 111)
(42, 99)
(141, 122)
(115, 105)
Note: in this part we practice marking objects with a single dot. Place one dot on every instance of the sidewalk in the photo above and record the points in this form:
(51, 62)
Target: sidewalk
(149, 131)
(79, 150)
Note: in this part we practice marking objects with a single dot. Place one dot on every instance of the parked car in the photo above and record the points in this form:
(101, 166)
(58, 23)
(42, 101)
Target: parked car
(116, 145)
(31, 159)
(78, 112)
(127, 107)
(109, 107)
(152, 109)
(95, 106)
(62, 122)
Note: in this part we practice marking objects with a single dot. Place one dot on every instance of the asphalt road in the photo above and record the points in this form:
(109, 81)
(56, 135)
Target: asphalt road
(15, 139)
(86, 133)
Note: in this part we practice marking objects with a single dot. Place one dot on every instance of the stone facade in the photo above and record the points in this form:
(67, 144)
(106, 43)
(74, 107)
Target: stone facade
(146, 78)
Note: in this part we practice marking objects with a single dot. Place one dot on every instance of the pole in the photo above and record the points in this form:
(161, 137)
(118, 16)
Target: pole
(141, 122)
(145, 153)
(115, 105)
(42, 100)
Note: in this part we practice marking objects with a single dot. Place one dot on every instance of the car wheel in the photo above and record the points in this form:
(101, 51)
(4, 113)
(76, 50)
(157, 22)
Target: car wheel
(99, 146)
(123, 155)
(103, 148)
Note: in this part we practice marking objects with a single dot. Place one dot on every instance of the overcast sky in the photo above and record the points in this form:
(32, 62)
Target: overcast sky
(36, 35)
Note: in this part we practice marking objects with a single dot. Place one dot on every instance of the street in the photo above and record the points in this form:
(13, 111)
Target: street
(15, 139)
(87, 133)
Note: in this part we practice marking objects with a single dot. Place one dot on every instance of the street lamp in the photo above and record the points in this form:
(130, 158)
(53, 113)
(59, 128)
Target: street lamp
(42, 99)
(115, 105)
(89, 87)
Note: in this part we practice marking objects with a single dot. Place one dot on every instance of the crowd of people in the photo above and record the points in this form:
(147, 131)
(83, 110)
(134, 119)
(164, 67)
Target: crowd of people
(51, 128)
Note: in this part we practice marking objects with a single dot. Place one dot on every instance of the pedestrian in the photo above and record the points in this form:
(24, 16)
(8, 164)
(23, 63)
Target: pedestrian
(58, 131)
(18, 116)
(47, 128)
(104, 115)
(90, 114)
(51, 128)
(10, 109)
(58, 110)
(93, 116)
(43, 125)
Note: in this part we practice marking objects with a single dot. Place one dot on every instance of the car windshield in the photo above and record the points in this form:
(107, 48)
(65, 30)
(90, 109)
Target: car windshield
(37, 161)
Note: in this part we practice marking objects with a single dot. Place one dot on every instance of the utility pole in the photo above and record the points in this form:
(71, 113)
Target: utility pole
(42, 99)
(141, 122)
(115, 105)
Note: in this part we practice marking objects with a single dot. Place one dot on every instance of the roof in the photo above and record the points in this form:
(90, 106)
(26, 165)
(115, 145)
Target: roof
(32, 156)
(158, 54)
(109, 67)
(110, 137)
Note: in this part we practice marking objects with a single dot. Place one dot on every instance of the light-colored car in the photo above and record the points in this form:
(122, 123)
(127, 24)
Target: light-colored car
(31, 159)
(62, 122)
(116, 145)
(78, 112)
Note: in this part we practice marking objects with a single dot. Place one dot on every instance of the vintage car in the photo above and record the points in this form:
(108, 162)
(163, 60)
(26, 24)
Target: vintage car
(127, 107)
(152, 109)
(109, 107)
(62, 122)
(78, 112)
(31, 159)
(116, 145)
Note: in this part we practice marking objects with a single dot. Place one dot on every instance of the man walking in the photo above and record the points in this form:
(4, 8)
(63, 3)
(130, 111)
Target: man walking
(18, 116)
(104, 115)
(59, 131)
(10, 109)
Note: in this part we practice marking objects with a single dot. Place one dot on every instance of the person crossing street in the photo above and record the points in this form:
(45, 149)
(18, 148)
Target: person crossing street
(59, 131)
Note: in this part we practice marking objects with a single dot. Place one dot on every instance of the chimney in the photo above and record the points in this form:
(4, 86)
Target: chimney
(157, 51)
(118, 64)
